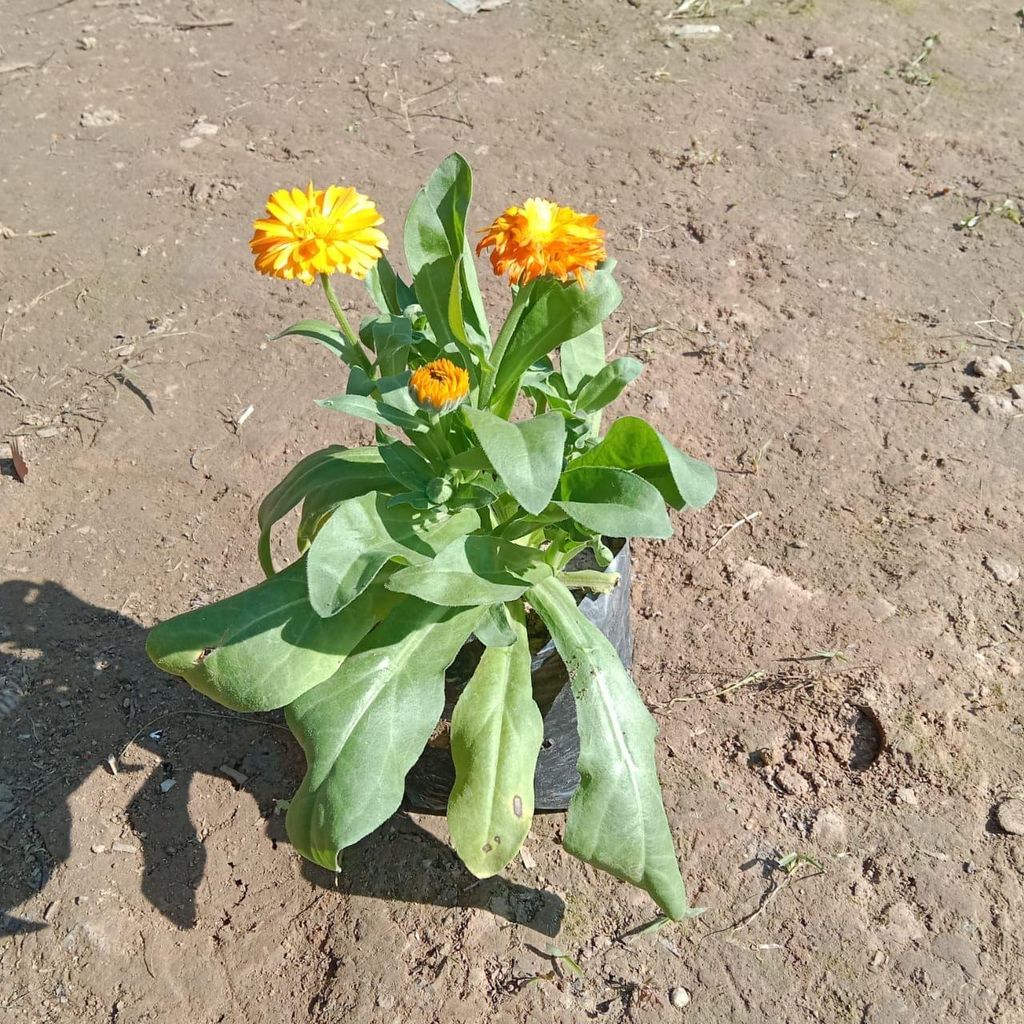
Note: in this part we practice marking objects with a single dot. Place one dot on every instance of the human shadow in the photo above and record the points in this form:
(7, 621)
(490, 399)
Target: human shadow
(76, 689)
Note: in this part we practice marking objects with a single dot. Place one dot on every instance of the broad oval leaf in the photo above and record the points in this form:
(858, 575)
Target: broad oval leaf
(616, 818)
(347, 472)
(441, 262)
(527, 456)
(633, 444)
(495, 628)
(608, 384)
(362, 535)
(477, 570)
(390, 293)
(262, 648)
(612, 502)
(406, 465)
(376, 412)
(364, 727)
(582, 357)
(557, 313)
(496, 735)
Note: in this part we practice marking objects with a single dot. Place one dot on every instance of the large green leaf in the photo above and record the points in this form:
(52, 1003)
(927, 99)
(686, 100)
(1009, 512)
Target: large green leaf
(376, 412)
(364, 727)
(477, 570)
(612, 502)
(496, 735)
(362, 535)
(608, 384)
(582, 357)
(441, 262)
(616, 819)
(527, 456)
(633, 444)
(345, 471)
(327, 334)
(390, 293)
(556, 314)
(264, 647)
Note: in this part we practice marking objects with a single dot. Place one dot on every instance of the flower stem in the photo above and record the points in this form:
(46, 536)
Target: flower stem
(358, 355)
(339, 313)
(515, 314)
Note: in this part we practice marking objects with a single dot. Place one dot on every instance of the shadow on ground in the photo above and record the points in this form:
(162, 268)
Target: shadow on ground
(76, 687)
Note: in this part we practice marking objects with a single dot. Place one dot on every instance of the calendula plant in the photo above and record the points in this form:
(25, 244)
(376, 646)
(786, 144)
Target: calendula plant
(490, 473)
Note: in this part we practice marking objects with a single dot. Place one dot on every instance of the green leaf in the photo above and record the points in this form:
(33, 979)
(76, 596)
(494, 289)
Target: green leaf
(612, 502)
(582, 357)
(376, 412)
(609, 383)
(329, 336)
(345, 471)
(264, 647)
(475, 570)
(362, 535)
(616, 819)
(556, 314)
(442, 265)
(406, 465)
(390, 293)
(495, 628)
(364, 727)
(496, 734)
(527, 456)
(634, 444)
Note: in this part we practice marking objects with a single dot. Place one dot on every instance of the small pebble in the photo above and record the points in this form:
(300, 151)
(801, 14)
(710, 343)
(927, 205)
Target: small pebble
(990, 366)
(234, 775)
(823, 52)
(102, 117)
(205, 128)
(167, 785)
(880, 609)
(87, 43)
(1010, 815)
(98, 848)
(1017, 391)
(123, 848)
(905, 795)
(1003, 571)
(191, 142)
(679, 997)
(790, 781)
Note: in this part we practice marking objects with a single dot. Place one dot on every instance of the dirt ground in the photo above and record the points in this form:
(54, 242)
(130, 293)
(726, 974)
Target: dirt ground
(784, 199)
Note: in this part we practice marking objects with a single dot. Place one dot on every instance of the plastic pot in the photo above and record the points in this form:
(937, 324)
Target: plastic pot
(430, 782)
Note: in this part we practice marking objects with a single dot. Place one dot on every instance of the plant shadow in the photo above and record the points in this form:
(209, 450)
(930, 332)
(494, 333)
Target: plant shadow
(76, 688)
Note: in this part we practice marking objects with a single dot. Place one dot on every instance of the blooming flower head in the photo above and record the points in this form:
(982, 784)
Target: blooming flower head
(318, 231)
(439, 386)
(540, 237)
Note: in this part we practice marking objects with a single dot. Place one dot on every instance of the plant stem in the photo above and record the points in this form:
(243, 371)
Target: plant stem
(339, 313)
(358, 356)
(515, 314)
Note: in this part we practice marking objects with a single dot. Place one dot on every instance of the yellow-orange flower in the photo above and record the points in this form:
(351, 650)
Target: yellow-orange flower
(439, 386)
(318, 231)
(540, 237)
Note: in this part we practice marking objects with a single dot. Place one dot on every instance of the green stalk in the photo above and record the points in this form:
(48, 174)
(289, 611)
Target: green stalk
(515, 314)
(358, 355)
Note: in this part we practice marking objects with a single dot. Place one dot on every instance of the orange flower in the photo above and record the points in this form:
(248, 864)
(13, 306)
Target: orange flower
(439, 386)
(541, 237)
(318, 232)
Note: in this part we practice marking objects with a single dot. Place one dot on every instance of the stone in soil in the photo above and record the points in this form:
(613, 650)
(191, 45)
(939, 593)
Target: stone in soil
(1003, 571)
(990, 366)
(1010, 815)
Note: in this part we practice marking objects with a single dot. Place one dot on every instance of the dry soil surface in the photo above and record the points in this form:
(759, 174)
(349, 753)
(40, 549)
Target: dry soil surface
(816, 217)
